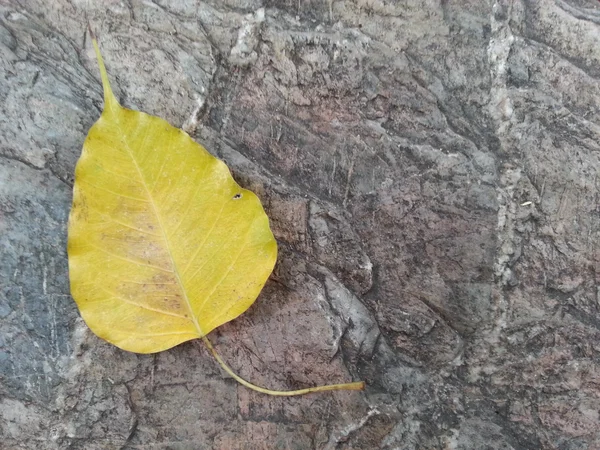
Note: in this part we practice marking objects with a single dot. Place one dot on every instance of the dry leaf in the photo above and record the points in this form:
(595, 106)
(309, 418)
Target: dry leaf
(164, 246)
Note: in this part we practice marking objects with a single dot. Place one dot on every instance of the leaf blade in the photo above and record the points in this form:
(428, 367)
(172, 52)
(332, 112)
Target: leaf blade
(214, 261)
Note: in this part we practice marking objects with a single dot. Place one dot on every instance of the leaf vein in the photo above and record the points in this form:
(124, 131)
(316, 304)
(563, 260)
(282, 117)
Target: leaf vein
(201, 246)
(140, 305)
(162, 228)
(118, 175)
(176, 227)
(226, 274)
(112, 219)
(174, 333)
(125, 258)
(118, 194)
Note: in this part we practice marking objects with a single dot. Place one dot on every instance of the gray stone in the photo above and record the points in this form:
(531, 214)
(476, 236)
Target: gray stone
(430, 170)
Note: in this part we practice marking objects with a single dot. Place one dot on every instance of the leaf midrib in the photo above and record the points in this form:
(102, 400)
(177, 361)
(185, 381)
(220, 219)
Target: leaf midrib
(192, 316)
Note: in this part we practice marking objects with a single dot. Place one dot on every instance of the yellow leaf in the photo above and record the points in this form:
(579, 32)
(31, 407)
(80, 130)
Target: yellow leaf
(164, 246)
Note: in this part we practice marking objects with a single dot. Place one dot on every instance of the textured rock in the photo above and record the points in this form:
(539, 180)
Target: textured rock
(431, 173)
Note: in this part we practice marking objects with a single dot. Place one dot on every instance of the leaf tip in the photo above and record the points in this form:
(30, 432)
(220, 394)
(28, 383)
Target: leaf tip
(91, 31)
(110, 101)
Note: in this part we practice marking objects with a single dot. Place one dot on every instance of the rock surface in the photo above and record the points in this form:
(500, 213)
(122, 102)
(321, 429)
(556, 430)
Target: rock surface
(431, 172)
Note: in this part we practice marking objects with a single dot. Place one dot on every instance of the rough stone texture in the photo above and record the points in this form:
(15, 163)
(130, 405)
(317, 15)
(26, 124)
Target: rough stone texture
(431, 172)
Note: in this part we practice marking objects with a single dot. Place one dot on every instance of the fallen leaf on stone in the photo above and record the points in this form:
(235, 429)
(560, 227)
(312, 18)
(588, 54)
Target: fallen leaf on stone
(164, 246)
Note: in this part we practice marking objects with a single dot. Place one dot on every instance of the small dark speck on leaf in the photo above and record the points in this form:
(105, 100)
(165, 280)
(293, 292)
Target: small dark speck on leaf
(236, 196)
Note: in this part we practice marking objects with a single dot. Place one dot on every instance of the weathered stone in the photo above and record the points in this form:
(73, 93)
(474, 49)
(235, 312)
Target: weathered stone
(431, 174)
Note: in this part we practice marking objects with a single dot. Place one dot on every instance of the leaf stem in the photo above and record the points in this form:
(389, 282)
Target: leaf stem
(355, 386)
